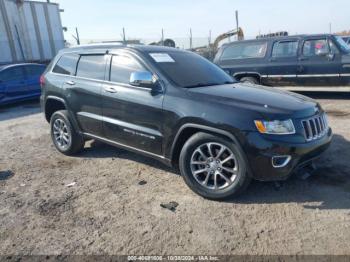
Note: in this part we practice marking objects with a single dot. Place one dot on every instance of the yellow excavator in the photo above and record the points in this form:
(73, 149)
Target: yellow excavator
(210, 51)
(228, 34)
(207, 51)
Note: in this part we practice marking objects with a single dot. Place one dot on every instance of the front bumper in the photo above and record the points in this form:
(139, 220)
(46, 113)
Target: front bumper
(261, 150)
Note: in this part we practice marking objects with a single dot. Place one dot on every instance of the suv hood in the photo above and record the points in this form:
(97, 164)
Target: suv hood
(270, 102)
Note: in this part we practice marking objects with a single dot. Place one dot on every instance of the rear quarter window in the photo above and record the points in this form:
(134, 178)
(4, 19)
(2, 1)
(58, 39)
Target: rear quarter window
(244, 51)
(66, 65)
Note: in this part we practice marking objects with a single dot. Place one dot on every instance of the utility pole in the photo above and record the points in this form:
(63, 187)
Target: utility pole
(124, 39)
(237, 25)
(162, 37)
(209, 38)
(209, 46)
(190, 38)
(76, 37)
(330, 28)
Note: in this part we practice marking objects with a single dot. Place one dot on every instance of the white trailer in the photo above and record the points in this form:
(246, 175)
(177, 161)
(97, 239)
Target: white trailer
(30, 31)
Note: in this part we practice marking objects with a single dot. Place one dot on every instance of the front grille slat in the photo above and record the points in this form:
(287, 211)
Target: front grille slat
(322, 124)
(315, 127)
(318, 126)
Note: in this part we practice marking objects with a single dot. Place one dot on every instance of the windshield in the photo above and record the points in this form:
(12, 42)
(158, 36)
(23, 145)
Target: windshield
(344, 46)
(189, 70)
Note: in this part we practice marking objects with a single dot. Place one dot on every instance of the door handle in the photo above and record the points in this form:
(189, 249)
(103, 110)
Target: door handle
(110, 89)
(71, 83)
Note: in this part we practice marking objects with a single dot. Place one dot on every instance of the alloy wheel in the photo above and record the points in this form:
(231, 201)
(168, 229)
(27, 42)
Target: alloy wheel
(62, 134)
(214, 166)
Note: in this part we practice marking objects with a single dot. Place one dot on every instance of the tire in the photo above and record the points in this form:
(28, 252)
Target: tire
(63, 135)
(250, 80)
(192, 161)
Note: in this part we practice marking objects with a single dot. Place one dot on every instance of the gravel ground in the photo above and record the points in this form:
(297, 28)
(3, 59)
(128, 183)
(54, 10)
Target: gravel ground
(113, 205)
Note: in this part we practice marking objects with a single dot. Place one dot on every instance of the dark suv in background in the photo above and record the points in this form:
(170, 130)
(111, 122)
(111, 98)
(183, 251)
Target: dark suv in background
(304, 60)
(183, 110)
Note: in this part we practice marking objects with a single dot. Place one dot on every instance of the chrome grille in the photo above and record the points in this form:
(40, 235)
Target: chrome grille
(315, 127)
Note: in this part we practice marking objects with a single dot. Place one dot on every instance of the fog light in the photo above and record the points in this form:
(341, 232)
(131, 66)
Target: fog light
(280, 161)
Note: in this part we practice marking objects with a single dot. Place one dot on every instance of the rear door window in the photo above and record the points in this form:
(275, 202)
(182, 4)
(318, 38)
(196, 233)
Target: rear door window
(12, 74)
(314, 46)
(34, 70)
(122, 67)
(66, 65)
(91, 66)
(285, 49)
(245, 50)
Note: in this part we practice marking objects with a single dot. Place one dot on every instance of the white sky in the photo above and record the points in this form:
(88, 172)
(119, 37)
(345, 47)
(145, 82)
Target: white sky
(104, 19)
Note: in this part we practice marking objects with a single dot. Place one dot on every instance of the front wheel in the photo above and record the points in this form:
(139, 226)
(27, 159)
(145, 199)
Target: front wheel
(213, 167)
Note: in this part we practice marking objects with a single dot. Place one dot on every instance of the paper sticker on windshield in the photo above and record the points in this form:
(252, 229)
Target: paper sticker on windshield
(162, 58)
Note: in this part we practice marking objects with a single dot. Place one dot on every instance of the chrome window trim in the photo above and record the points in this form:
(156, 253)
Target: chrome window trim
(103, 81)
(114, 52)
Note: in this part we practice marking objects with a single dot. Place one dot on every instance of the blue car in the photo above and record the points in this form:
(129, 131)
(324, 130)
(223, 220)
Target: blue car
(20, 82)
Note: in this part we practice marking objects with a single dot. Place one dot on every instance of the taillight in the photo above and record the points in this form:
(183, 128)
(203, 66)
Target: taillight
(42, 80)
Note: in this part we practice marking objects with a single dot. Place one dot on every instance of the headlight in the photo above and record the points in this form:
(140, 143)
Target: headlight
(276, 127)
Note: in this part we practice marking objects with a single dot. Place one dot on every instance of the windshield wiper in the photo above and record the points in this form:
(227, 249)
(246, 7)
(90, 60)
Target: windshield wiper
(208, 84)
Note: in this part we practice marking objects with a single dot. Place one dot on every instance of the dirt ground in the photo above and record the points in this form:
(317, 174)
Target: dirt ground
(110, 211)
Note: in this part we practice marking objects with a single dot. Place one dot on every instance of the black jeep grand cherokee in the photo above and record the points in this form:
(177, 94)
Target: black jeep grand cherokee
(178, 107)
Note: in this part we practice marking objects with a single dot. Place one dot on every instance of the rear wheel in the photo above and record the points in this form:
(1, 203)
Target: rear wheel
(63, 134)
(250, 80)
(213, 167)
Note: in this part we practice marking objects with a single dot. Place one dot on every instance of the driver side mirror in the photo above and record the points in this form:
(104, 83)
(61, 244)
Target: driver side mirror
(143, 79)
